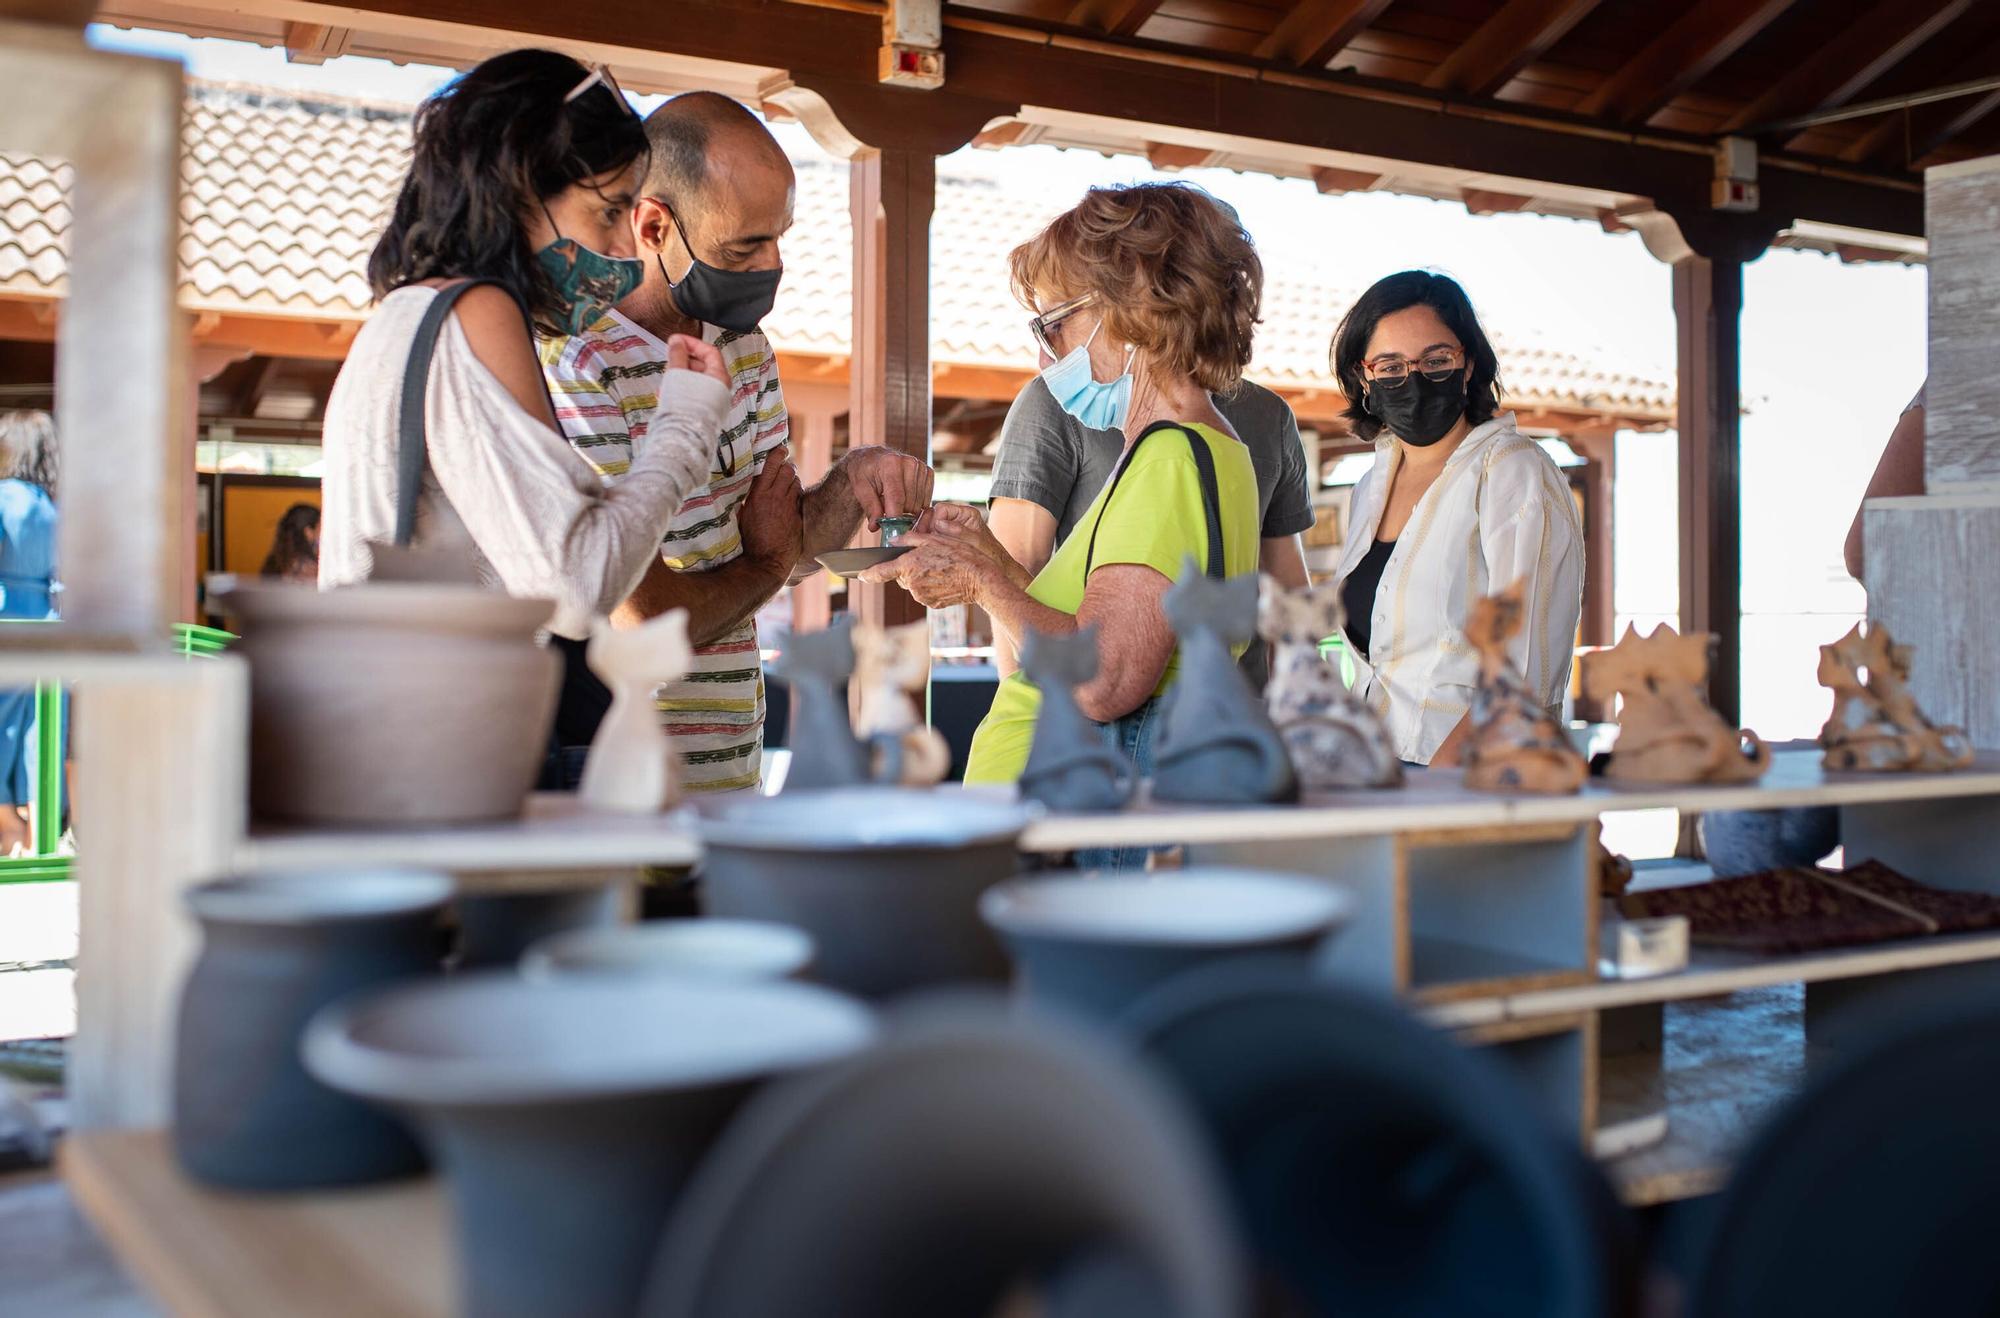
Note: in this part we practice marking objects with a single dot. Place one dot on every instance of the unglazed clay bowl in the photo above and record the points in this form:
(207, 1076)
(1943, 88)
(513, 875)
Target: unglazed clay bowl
(686, 949)
(886, 880)
(1094, 945)
(567, 1115)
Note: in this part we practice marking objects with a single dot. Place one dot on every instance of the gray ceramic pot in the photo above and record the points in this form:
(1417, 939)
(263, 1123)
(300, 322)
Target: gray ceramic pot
(885, 880)
(686, 949)
(497, 928)
(276, 949)
(566, 1115)
(1093, 946)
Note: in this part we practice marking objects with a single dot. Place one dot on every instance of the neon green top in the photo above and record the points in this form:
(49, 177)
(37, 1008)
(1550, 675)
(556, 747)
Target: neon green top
(1157, 520)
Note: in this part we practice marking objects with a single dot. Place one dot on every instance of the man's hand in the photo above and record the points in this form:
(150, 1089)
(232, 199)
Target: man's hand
(886, 483)
(772, 518)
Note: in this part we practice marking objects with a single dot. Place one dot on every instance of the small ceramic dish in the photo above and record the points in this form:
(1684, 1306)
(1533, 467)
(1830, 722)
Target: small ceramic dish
(685, 949)
(853, 562)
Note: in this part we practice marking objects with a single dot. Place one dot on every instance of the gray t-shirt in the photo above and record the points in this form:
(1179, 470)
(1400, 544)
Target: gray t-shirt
(1048, 458)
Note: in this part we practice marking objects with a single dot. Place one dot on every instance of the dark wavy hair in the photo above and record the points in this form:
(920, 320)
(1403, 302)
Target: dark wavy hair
(489, 147)
(292, 544)
(1399, 292)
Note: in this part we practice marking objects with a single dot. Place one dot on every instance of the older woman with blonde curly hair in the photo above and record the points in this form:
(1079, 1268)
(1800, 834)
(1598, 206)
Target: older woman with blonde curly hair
(1145, 298)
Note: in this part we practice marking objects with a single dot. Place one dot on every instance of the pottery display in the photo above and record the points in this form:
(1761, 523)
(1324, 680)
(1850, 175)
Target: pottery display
(692, 949)
(1216, 744)
(275, 949)
(892, 666)
(1876, 725)
(1069, 765)
(1335, 740)
(967, 1166)
(393, 703)
(825, 751)
(1517, 744)
(566, 1115)
(1667, 731)
(498, 928)
(1095, 945)
(886, 880)
(633, 767)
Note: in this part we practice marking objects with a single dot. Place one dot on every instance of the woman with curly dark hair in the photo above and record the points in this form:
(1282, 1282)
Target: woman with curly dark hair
(1458, 505)
(294, 552)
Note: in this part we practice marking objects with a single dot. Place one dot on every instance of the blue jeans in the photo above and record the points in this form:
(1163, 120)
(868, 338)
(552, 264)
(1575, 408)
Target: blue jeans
(1132, 736)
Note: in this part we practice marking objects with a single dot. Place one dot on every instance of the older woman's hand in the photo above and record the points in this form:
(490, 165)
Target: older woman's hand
(965, 526)
(938, 571)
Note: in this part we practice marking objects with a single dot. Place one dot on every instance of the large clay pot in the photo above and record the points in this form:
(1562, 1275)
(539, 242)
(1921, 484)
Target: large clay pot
(566, 1115)
(684, 949)
(886, 880)
(1095, 945)
(276, 949)
(393, 702)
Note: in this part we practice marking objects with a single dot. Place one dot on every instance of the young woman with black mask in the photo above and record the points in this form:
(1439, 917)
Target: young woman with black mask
(1458, 505)
(517, 205)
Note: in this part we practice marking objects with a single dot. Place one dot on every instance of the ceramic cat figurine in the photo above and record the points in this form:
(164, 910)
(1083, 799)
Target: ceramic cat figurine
(1876, 724)
(632, 766)
(825, 752)
(890, 665)
(1516, 744)
(1216, 743)
(1334, 739)
(1069, 766)
(1667, 731)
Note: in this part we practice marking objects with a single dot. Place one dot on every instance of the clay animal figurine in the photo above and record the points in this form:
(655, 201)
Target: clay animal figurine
(824, 750)
(632, 765)
(1876, 725)
(1334, 739)
(1517, 744)
(1667, 731)
(891, 664)
(1216, 743)
(1069, 765)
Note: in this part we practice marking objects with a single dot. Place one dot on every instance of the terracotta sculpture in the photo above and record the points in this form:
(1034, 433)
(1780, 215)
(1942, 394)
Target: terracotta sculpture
(632, 765)
(1069, 766)
(1334, 739)
(825, 752)
(891, 664)
(1667, 732)
(1216, 743)
(1517, 745)
(1876, 725)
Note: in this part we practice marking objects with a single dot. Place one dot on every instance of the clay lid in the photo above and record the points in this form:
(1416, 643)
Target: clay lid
(430, 605)
(318, 896)
(860, 819)
(1213, 907)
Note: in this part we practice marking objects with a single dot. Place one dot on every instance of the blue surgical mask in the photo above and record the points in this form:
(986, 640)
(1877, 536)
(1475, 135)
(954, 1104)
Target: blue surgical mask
(1098, 405)
(589, 282)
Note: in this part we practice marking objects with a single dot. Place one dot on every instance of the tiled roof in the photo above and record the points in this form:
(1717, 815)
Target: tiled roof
(284, 196)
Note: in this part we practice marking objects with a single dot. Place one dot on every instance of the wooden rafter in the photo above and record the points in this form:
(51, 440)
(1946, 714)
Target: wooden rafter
(1924, 128)
(1688, 50)
(315, 43)
(1866, 48)
(1119, 18)
(1506, 43)
(256, 380)
(1317, 30)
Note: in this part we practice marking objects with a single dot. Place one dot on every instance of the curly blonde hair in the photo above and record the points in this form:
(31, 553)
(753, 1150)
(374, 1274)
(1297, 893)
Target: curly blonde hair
(1173, 270)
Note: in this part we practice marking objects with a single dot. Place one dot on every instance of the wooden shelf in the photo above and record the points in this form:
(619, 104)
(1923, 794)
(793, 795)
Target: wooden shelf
(1443, 969)
(384, 1251)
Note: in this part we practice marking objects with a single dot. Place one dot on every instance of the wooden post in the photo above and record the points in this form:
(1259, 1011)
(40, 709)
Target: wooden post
(812, 434)
(1599, 445)
(1708, 301)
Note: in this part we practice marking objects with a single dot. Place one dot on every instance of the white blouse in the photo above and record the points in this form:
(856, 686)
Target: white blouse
(1499, 512)
(539, 520)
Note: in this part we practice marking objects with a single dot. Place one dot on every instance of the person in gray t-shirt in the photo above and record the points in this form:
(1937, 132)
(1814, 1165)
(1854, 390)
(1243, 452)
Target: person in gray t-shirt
(1050, 468)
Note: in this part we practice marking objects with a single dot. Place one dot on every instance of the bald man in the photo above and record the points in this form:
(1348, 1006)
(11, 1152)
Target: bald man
(715, 204)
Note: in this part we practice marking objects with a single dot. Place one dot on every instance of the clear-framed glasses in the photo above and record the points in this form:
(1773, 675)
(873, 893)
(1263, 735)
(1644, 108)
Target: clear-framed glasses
(599, 74)
(1393, 369)
(1048, 320)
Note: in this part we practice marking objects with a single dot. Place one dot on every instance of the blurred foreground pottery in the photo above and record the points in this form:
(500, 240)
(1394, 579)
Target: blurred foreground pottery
(567, 1115)
(891, 667)
(1095, 945)
(967, 1160)
(497, 928)
(1334, 739)
(393, 702)
(1876, 725)
(1667, 731)
(689, 949)
(1216, 743)
(825, 752)
(632, 767)
(886, 880)
(1069, 765)
(276, 949)
(1516, 744)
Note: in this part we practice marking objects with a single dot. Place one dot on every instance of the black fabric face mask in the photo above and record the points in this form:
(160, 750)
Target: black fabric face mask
(1420, 410)
(733, 299)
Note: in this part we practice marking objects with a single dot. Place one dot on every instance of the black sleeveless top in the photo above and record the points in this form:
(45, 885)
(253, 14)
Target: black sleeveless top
(1357, 594)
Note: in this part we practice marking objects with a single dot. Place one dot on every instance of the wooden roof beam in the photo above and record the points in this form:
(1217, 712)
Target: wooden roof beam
(1317, 30)
(315, 43)
(1866, 48)
(1688, 50)
(1925, 128)
(1118, 18)
(1515, 37)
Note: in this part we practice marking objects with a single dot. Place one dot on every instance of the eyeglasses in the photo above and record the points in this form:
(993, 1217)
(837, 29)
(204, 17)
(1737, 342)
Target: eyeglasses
(1048, 320)
(600, 74)
(1434, 366)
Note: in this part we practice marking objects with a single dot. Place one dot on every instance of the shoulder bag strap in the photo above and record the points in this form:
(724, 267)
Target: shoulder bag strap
(411, 451)
(1211, 497)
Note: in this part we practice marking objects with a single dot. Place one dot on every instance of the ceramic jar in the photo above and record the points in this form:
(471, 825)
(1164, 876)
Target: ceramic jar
(276, 949)
(393, 702)
(686, 949)
(566, 1115)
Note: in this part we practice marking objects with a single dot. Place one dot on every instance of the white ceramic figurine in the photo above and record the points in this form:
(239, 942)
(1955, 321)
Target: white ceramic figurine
(890, 666)
(631, 766)
(1334, 739)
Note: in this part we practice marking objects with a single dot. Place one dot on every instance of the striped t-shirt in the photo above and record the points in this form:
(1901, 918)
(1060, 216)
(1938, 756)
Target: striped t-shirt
(604, 382)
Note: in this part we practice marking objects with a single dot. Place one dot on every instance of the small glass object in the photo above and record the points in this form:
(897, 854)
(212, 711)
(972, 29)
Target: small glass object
(895, 528)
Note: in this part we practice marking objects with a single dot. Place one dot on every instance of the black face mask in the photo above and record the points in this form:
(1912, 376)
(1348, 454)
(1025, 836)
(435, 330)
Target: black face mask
(733, 299)
(1420, 410)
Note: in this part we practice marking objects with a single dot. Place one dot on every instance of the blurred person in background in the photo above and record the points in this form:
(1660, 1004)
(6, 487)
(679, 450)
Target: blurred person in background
(28, 471)
(294, 552)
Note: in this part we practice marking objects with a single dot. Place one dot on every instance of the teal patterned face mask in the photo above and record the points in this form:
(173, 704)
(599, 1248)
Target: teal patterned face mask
(588, 281)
